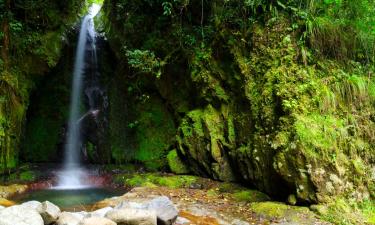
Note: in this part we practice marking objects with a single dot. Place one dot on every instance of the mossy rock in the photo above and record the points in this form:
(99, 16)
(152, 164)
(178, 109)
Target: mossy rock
(175, 163)
(7, 191)
(342, 212)
(280, 211)
(250, 196)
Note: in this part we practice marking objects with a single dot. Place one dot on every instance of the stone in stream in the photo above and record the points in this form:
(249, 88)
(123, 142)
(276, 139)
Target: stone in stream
(129, 216)
(101, 212)
(97, 221)
(49, 212)
(67, 218)
(20, 215)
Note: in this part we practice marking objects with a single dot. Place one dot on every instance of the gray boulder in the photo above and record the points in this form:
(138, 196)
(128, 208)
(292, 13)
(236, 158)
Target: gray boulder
(97, 221)
(165, 210)
(67, 218)
(49, 212)
(129, 216)
(20, 215)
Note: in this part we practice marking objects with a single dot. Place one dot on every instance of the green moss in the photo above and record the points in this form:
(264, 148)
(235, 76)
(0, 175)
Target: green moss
(343, 212)
(176, 165)
(155, 133)
(28, 176)
(41, 140)
(294, 214)
(250, 196)
(153, 179)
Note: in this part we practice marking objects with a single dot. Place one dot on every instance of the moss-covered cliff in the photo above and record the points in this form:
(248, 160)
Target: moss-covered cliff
(255, 96)
(31, 42)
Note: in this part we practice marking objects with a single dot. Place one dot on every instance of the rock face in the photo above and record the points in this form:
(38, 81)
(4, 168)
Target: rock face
(132, 217)
(247, 104)
(49, 212)
(20, 215)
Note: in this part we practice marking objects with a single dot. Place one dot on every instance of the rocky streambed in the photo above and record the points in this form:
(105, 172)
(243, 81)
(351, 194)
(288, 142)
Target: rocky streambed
(155, 198)
(159, 210)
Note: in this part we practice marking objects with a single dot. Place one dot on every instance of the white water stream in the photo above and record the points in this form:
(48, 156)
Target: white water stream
(73, 175)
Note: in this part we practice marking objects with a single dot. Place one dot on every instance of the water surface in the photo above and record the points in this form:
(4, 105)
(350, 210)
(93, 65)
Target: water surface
(70, 199)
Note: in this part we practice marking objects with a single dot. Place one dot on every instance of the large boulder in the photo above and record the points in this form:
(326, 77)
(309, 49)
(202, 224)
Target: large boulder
(67, 218)
(49, 212)
(165, 210)
(130, 216)
(20, 215)
(97, 221)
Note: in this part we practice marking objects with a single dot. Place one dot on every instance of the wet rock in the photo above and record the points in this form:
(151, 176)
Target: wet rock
(101, 212)
(166, 211)
(97, 221)
(49, 212)
(20, 215)
(33, 204)
(132, 217)
(66, 218)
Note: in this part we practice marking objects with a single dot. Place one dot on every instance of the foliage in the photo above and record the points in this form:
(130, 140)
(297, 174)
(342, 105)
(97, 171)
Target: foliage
(145, 61)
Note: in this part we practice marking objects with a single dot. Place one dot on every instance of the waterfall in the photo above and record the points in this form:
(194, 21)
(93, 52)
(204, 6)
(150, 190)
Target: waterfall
(72, 176)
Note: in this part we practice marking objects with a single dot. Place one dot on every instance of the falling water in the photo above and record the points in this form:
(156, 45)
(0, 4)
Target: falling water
(73, 174)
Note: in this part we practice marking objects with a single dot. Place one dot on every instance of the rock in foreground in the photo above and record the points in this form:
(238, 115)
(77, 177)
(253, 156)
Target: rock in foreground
(20, 215)
(132, 217)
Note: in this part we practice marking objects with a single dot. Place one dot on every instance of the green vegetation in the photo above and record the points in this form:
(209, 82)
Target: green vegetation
(252, 91)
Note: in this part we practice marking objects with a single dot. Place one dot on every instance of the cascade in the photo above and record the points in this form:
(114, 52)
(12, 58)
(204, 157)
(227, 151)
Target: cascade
(73, 174)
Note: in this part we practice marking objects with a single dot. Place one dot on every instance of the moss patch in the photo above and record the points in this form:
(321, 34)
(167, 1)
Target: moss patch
(276, 210)
(152, 179)
(250, 196)
(175, 163)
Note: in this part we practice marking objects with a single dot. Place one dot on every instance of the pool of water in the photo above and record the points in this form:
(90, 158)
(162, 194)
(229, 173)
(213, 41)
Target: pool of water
(69, 199)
